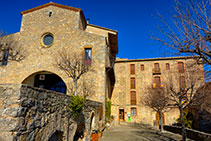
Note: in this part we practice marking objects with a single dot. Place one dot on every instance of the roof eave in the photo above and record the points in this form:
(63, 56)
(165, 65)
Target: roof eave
(51, 4)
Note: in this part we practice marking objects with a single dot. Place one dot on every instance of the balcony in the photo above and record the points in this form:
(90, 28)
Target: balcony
(156, 71)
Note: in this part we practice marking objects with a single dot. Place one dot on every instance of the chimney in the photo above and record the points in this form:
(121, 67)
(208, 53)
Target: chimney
(87, 21)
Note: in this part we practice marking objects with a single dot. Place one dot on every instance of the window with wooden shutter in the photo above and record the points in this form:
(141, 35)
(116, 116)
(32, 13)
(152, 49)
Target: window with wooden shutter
(156, 68)
(132, 68)
(182, 82)
(181, 68)
(142, 67)
(157, 82)
(133, 98)
(167, 66)
(132, 83)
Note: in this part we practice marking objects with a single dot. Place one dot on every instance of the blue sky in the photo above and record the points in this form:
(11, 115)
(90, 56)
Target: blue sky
(135, 20)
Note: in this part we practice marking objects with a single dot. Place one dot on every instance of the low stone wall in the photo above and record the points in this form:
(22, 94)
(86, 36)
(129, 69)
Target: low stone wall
(9, 105)
(28, 113)
(192, 134)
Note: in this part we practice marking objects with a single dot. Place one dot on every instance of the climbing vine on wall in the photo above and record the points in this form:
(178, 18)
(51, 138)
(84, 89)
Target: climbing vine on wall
(108, 109)
(188, 118)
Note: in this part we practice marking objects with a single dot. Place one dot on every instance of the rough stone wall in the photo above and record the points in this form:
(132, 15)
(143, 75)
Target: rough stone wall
(191, 134)
(9, 105)
(144, 79)
(29, 113)
(64, 25)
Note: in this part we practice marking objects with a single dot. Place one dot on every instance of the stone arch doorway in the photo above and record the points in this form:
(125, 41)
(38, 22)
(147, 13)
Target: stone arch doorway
(92, 122)
(46, 80)
(57, 136)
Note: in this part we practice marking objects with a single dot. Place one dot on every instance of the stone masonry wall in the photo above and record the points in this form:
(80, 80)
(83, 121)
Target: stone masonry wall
(9, 104)
(28, 113)
(64, 25)
(143, 79)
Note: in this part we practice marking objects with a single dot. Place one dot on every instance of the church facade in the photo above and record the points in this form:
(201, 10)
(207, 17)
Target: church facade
(49, 29)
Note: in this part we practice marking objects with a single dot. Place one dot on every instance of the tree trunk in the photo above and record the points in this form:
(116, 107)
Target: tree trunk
(161, 121)
(184, 136)
(75, 87)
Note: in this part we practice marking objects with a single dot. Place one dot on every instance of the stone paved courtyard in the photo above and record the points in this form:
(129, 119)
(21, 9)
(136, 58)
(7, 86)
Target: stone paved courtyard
(132, 132)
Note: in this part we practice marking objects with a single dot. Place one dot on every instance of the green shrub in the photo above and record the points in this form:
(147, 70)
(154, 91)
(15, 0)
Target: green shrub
(76, 105)
(108, 110)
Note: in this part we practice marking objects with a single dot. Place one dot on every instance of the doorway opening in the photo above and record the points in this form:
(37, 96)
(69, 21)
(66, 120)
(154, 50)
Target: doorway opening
(46, 80)
(57, 136)
(121, 115)
(158, 118)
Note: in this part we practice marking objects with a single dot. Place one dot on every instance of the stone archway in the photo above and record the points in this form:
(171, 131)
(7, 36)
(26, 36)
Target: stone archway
(46, 80)
(56, 136)
(92, 122)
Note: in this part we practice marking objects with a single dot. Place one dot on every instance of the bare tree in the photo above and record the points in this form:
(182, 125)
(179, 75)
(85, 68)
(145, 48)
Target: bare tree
(204, 104)
(189, 30)
(86, 87)
(73, 64)
(157, 100)
(10, 49)
(181, 87)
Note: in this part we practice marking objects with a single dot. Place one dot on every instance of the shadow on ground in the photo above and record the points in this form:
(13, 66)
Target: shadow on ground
(137, 132)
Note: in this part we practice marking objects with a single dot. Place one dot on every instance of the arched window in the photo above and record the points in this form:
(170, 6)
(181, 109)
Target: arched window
(167, 66)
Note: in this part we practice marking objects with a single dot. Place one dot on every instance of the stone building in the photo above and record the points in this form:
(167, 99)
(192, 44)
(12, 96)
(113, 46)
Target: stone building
(28, 58)
(46, 30)
(134, 76)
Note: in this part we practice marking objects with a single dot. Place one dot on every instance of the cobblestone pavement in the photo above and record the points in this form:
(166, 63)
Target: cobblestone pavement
(132, 132)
